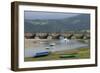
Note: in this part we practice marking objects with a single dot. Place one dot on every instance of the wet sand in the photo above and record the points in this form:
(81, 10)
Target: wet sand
(32, 46)
(30, 43)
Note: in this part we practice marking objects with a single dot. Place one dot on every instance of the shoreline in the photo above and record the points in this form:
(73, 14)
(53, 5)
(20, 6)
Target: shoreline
(82, 53)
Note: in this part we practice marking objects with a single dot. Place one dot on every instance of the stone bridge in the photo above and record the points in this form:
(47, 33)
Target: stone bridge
(57, 35)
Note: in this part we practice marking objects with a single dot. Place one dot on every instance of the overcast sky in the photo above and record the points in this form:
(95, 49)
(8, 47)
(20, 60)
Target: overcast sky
(47, 15)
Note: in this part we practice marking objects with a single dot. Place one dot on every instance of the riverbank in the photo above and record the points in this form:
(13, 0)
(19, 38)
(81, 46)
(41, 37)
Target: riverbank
(80, 53)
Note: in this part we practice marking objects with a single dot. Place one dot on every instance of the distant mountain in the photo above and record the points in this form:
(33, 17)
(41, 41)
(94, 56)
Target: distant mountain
(76, 23)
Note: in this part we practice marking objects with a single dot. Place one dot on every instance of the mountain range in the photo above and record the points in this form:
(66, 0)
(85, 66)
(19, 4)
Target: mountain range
(75, 23)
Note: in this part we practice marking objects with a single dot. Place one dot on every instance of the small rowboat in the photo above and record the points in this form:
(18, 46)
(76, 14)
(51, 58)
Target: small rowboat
(41, 54)
(67, 56)
(52, 44)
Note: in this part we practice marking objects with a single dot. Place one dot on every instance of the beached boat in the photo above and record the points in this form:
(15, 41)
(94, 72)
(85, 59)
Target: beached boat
(41, 54)
(67, 56)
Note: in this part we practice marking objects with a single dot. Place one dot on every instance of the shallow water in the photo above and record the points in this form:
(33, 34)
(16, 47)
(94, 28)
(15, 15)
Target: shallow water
(55, 45)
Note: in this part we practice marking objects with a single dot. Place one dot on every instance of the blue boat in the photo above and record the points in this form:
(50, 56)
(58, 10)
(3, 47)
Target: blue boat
(41, 54)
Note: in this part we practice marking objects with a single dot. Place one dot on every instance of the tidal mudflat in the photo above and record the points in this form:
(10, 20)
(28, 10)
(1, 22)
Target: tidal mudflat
(57, 48)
